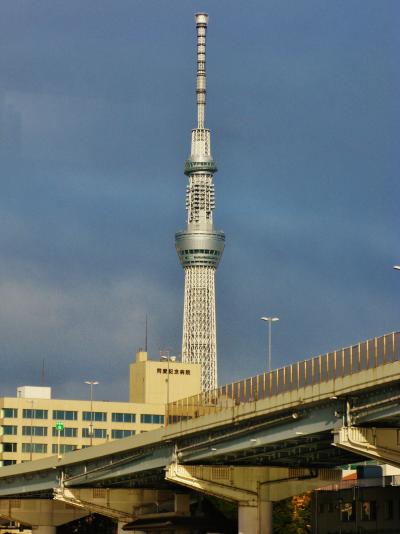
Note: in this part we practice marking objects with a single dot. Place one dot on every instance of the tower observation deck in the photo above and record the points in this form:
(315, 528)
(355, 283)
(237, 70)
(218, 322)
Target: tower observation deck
(200, 246)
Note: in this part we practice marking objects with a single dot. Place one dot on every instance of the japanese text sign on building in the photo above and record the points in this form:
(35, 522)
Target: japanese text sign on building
(173, 371)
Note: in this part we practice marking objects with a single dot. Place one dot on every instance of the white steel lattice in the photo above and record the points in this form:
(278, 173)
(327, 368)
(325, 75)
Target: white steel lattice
(200, 201)
(199, 344)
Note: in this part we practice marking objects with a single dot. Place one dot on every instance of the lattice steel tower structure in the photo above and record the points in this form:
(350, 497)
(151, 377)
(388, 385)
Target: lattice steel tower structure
(200, 247)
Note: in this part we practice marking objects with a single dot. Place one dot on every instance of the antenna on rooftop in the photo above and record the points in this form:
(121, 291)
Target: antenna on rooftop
(42, 374)
(145, 337)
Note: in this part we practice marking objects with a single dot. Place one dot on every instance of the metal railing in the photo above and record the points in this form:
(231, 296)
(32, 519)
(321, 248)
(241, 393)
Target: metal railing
(333, 365)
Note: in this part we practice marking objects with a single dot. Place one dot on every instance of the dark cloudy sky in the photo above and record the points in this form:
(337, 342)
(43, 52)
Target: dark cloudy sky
(96, 107)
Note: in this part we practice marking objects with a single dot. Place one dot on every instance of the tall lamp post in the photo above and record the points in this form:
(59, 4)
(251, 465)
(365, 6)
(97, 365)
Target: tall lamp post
(269, 320)
(167, 359)
(91, 383)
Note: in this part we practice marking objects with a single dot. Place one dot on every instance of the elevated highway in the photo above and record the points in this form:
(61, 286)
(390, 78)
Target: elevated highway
(255, 441)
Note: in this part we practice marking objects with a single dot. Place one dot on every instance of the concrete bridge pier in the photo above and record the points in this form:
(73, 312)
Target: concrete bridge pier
(265, 512)
(253, 488)
(255, 519)
(43, 514)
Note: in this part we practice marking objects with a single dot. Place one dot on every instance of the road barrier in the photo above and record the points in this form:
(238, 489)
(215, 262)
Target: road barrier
(333, 365)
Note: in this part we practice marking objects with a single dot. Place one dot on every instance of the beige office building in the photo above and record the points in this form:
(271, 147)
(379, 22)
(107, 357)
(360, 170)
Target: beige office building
(28, 421)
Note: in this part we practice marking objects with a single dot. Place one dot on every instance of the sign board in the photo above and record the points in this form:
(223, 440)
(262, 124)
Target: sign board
(59, 425)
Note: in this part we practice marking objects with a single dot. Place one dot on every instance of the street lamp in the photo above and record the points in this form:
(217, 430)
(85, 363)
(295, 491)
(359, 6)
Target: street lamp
(91, 383)
(167, 359)
(269, 320)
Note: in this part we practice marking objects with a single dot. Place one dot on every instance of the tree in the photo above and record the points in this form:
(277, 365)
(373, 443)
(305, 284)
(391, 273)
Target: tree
(293, 515)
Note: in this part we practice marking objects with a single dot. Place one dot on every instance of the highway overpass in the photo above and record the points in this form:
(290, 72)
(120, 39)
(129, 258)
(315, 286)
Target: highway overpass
(253, 442)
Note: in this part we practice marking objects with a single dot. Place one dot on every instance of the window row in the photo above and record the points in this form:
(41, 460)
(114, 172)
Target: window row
(38, 447)
(34, 430)
(152, 419)
(10, 430)
(97, 433)
(200, 251)
(8, 462)
(10, 412)
(69, 415)
(64, 448)
(119, 434)
(35, 447)
(69, 432)
(9, 447)
(123, 418)
(33, 413)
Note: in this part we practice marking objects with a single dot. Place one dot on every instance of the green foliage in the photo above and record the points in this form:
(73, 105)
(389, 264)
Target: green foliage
(283, 517)
(293, 515)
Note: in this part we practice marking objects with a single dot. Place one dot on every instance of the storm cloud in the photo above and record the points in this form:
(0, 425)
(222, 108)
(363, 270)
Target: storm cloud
(96, 107)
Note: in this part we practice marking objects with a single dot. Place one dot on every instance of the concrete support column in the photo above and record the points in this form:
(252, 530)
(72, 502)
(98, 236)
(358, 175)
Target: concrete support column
(265, 514)
(45, 530)
(255, 519)
(248, 519)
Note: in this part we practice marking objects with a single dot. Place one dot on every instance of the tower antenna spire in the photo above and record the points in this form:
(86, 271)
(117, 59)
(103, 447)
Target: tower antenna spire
(201, 25)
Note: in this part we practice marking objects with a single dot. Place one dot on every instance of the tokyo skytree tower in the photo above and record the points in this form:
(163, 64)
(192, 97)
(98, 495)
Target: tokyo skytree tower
(200, 247)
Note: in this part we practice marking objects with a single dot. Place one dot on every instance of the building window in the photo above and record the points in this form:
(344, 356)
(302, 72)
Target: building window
(347, 510)
(368, 511)
(66, 433)
(9, 462)
(9, 447)
(34, 430)
(10, 430)
(123, 417)
(98, 433)
(11, 413)
(97, 416)
(35, 447)
(34, 414)
(152, 419)
(388, 510)
(65, 415)
(118, 434)
(64, 448)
